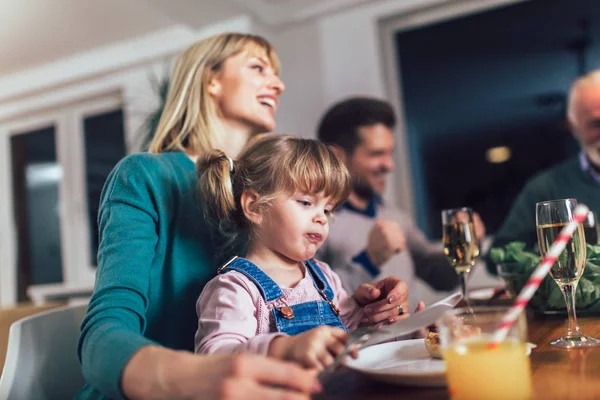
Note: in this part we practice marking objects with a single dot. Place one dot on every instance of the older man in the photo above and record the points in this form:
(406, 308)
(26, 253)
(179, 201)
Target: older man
(577, 177)
(368, 238)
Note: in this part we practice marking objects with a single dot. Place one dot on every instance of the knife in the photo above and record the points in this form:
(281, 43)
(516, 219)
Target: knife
(374, 334)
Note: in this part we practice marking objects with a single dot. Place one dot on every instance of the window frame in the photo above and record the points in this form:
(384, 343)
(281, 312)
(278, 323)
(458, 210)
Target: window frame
(68, 122)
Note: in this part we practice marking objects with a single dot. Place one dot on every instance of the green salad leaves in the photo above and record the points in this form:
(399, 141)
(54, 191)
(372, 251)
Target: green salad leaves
(517, 264)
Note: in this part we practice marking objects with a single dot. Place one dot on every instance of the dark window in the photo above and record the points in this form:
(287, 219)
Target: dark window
(492, 79)
(104, 146)
(36, 179)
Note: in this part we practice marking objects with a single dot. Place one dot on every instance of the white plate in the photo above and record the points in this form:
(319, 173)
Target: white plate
(406, 362)
(482, 294)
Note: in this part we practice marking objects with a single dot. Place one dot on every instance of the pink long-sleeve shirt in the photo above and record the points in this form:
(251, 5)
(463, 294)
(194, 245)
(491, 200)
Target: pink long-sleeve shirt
(234, 317)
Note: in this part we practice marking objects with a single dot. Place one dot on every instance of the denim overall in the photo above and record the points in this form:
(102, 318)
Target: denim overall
(302, 317)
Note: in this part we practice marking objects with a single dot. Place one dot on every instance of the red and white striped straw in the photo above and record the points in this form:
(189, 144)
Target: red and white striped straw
(579, 215)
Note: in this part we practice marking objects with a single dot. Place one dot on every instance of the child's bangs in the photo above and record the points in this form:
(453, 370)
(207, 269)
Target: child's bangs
(316, 170)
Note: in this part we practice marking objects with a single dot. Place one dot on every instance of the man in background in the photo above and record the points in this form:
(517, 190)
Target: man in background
(577, 177)
(369, 239)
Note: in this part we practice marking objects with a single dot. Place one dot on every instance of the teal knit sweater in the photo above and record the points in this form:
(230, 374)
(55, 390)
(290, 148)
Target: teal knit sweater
(565, 180)
(153, 261)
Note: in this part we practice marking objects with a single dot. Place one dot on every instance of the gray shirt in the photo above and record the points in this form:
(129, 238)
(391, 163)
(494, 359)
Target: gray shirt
(344, 251)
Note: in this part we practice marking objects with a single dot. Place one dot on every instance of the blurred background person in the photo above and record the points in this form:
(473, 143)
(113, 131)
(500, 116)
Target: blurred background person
(370, 239)
(577, 177)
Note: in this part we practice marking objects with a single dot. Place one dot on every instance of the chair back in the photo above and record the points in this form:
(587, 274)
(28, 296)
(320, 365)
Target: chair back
(41, 358)
(8, 316)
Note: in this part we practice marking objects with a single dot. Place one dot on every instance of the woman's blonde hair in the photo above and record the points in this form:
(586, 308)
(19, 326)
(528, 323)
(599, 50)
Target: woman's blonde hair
(270, 165)
(189, 118)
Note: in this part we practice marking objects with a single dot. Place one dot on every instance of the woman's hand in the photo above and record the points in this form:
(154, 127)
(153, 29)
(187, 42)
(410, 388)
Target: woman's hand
(158, 373)
(384, 300)
(315, 348)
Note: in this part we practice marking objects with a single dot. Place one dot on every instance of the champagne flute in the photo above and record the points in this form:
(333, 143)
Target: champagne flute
(551, 216)
(592, 228)
(461, 246)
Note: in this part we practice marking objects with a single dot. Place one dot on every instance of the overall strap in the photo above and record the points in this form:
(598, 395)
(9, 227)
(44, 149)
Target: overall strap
(268, 288)
(319, 279)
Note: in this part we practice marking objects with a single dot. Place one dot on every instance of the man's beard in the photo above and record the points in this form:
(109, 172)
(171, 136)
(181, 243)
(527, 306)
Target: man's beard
(362, 189)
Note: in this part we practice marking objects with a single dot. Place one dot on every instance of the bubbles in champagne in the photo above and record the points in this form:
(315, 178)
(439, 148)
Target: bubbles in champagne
(460, 245)
(571, 262)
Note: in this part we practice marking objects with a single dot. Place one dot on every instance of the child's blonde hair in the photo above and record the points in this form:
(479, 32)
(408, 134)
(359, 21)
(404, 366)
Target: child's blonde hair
(189, 118)
(270, 165)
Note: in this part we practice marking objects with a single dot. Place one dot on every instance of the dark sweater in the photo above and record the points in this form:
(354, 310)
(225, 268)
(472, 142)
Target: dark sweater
(565, 180)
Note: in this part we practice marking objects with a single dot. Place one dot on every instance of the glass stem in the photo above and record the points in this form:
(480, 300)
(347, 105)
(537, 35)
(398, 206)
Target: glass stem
(463, 282)
(569, 290)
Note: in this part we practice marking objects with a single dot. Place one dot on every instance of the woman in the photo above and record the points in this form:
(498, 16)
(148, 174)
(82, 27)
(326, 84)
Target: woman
(155, 253)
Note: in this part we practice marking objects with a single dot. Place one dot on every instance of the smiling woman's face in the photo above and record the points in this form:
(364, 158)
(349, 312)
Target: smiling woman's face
(246, 90)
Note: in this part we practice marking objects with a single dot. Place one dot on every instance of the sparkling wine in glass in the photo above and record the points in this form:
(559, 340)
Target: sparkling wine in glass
(461, 246)
(551, 218)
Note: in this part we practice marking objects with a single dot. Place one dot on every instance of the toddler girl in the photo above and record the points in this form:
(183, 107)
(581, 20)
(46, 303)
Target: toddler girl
(273, 206)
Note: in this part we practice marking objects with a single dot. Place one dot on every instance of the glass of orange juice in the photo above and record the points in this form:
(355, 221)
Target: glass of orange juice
(475, 370)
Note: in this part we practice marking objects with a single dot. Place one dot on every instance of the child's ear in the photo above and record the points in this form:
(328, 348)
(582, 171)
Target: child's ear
(339, 152)
(249, 200)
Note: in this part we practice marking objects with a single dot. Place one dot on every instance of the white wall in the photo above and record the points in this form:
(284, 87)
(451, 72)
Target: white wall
(351, 57)
(302, 102)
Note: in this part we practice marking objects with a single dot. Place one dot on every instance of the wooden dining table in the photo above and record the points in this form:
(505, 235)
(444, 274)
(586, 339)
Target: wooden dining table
(556, 373)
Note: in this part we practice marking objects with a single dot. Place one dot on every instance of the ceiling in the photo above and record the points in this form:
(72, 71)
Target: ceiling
(36, 32)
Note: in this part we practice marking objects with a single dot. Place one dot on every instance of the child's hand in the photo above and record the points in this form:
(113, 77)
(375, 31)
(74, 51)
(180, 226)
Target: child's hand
(315, 348)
